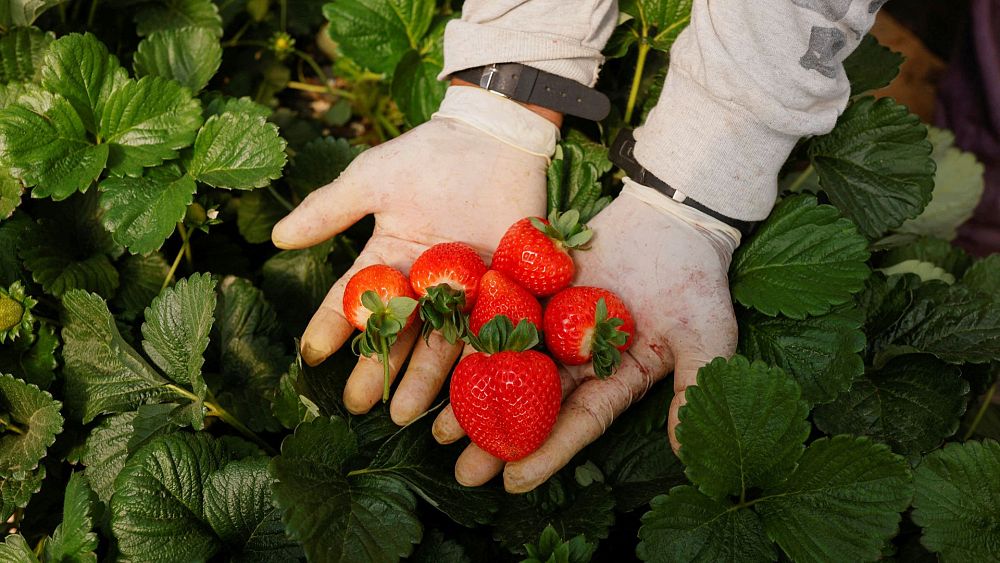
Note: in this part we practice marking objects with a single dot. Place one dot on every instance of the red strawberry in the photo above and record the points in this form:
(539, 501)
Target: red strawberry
(536, 253)
(379, 301)
(506, 397)
(446, 277)
(500, 295)
(584, 323)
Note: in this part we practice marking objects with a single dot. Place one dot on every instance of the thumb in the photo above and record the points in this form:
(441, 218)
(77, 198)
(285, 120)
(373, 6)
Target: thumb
(327, 211)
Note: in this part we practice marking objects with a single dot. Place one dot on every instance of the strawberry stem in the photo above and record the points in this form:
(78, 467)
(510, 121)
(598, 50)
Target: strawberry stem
(383, 356)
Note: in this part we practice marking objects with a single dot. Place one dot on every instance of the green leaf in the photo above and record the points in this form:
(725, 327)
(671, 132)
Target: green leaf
(46, 146)
(73, 540)
(413, 456)
(29, 422)
(436, 549)
(841, 503)
(319, 163)
(950, 322)
(81, 70)
(168, 15)
(377, 33)
(957, 494)
(912, 404)
(158, 505)
(16, 493)
(23, 12)
(552, 548)
(875, 165)
(238, 508)
(21, 52)
(821, 353)
(11, 190)
(871, 66)
(926, 271)
(686, 525)
(984, 275)
(291, 405)
(190, 56)
(297, 281)
(105, 453)
(257, 214)
(803, 260)
(338, 515)
(103, 373)
(15, 550)
(936, 251)
(141, 278)
(238, 151)
(958, 187)
(742, 427)
(33, 360)
(667, 17)
(146, 122)
(142, 212)
(251, 355)
(415, 87)
(574, 178)
(570, 509)
(12, 233)
(175, 334)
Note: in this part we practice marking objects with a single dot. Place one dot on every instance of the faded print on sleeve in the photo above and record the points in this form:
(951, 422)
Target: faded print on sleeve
(832, 10)
(824, 44)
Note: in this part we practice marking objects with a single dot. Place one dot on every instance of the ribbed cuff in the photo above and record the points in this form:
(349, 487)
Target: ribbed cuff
(500, 118)
(713, 151)
(468, 45)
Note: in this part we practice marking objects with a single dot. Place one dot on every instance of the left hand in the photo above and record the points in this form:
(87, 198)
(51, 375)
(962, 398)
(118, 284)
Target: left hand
(669, 263)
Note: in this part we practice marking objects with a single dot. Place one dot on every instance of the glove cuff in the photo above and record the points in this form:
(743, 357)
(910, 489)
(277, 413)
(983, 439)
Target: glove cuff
(500, 118)
(724, 237)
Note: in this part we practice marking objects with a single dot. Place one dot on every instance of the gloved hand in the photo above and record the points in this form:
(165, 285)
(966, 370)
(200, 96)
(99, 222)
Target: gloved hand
(669, 263)
(466, 175)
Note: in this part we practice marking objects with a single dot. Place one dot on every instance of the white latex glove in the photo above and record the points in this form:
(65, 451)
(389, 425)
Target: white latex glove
(466, 175)
(669, 263)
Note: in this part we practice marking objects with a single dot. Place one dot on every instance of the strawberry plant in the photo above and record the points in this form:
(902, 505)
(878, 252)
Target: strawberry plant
(152, 406)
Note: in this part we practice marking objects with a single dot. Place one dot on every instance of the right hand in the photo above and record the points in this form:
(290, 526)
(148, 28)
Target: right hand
(443, 181)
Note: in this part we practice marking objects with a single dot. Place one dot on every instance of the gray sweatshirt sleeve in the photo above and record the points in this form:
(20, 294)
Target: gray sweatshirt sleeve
(558, 36)
(746, 81)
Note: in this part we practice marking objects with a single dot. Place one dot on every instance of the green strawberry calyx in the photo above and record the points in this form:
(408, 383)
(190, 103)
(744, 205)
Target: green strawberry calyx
(565, 229)
(500, 335)
(605, 340)
(15, 312)
(441, 310)
(382, 329)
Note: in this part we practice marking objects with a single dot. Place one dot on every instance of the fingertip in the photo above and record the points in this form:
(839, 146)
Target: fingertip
(475, 467)
(446, 429)
(326, 333)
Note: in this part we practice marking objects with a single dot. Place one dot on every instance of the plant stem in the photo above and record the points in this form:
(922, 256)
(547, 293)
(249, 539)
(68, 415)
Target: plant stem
(186, 244)
(306, 87)
(11, 426)
(633, 93)
(173, 269)
(214, 409)
(805, 175)
(45, 319)
(284, 14)
(235, 40)
(280, 199)
(987, 401)
(92, 13)
(384, 358)
(224, 415)
(309, 60)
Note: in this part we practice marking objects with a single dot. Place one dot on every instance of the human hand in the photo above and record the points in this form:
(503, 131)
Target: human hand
(669, 263)
(466, 175)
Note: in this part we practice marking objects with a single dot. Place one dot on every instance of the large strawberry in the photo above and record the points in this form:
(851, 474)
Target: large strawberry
(446, 278)
(506, 397)
(588, 323)
(536, 253)
(500, 295)
(379, 301)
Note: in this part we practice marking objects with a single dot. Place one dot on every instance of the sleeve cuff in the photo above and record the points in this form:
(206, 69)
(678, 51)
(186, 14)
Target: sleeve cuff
(468, 45)
(712, 150)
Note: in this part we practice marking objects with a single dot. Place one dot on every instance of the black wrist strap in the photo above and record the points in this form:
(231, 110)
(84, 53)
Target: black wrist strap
(532, 86)
(621, 155)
